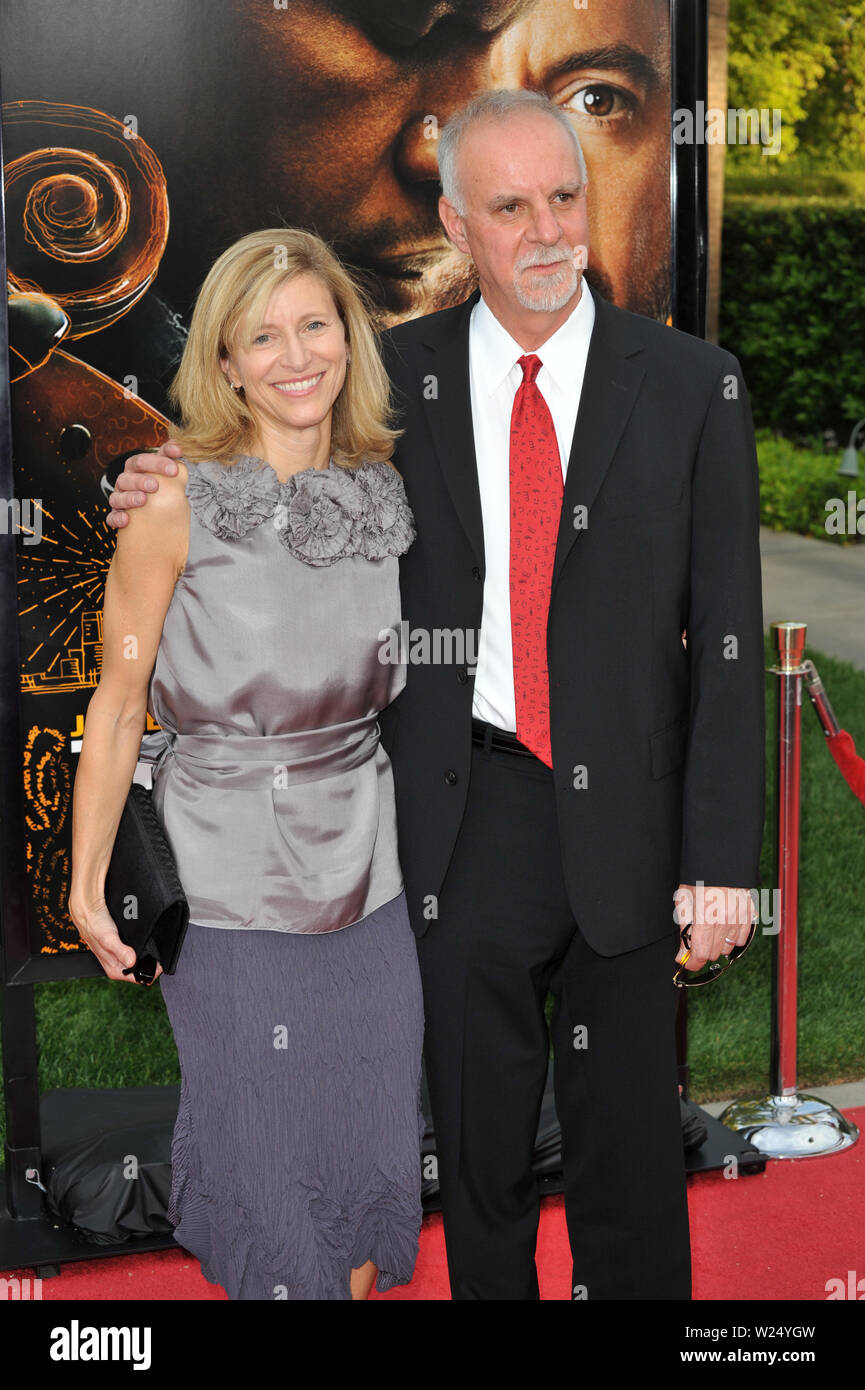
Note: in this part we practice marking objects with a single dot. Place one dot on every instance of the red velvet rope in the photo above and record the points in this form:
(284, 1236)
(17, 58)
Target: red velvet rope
(843, 750)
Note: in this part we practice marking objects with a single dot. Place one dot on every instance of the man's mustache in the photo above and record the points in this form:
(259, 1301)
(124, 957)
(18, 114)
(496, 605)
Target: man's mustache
(560, 252)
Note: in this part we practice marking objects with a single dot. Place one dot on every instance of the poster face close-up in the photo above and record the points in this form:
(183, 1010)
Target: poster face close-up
(141, 140)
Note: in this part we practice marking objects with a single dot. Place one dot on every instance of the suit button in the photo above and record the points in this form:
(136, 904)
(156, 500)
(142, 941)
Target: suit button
(451, 777)
(476, 574)
(462, 675)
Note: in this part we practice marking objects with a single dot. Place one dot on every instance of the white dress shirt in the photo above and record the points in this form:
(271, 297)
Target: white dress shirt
(494, 376)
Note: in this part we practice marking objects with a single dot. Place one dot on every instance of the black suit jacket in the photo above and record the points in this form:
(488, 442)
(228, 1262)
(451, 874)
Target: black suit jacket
(658, 750)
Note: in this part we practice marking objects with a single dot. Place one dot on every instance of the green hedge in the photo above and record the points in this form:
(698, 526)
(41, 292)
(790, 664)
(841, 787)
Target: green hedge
(795, 180)
(795, 485)
(793, 309)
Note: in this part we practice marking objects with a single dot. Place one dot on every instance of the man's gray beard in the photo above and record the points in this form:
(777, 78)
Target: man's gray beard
(549, 299)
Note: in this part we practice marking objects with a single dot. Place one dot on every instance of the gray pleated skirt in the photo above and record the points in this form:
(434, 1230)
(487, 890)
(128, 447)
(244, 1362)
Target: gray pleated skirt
(296, 1152)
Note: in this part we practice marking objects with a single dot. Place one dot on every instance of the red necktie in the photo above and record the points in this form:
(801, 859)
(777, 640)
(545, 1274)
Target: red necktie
(536, 505)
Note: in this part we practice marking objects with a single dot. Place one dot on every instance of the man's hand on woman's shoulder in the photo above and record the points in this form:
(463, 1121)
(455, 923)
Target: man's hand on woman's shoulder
(133, 484)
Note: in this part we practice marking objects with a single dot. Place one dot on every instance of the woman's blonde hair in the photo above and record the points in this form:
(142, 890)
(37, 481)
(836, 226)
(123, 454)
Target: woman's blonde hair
(216, 422)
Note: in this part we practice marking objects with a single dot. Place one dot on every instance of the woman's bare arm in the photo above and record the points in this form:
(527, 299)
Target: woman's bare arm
(146, 564)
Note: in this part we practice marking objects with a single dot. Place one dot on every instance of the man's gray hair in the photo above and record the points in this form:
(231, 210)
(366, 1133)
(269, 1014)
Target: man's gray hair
(493, 106)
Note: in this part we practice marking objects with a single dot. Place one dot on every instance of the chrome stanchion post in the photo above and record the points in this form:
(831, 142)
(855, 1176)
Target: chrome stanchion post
(786, 1123)
(790, 644)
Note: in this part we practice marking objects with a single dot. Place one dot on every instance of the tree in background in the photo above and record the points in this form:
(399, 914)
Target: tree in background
(807, 58)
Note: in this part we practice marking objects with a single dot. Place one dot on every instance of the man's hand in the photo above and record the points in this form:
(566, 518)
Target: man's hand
(133, 484)
(720, 918)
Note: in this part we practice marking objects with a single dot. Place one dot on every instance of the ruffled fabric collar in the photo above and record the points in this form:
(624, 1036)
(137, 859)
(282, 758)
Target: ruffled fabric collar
(320, 515)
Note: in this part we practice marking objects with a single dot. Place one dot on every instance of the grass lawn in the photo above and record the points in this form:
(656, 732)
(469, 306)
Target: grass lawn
(101, 1033)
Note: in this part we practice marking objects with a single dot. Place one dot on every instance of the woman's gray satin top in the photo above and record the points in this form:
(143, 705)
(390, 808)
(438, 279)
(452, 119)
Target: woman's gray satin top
(269, 779)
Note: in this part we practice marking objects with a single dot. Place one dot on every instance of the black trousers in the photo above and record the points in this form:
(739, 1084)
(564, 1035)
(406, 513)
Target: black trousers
(505, 936)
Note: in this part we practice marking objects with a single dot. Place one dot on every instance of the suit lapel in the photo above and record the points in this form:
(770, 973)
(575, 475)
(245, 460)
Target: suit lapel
(447, 400)
(610, 387)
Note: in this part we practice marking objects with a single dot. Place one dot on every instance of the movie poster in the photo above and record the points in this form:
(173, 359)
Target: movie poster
(140, 139)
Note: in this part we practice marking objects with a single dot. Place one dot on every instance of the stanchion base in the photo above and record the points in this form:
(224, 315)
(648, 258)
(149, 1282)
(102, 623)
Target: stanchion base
(796, 1126)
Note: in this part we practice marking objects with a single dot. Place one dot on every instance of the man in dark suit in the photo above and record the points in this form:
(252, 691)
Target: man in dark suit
(584, 481)
(557, 871)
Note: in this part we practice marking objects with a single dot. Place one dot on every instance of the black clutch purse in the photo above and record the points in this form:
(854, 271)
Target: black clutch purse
(143, 870)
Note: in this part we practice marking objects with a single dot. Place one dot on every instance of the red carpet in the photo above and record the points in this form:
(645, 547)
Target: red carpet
(776, 1235)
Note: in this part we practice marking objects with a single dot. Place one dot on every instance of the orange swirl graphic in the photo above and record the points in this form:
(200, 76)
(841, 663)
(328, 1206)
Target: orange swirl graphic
(86, 222)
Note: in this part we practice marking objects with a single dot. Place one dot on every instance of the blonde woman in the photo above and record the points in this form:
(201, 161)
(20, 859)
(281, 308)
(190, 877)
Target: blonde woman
(244, 609)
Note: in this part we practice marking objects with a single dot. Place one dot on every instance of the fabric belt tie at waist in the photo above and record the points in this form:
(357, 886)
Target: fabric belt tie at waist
(245, 761)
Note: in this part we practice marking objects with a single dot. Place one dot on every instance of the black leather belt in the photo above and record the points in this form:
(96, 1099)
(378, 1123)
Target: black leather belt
(491, 737)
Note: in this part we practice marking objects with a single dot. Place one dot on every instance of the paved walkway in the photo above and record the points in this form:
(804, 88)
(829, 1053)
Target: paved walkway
(816, 582)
